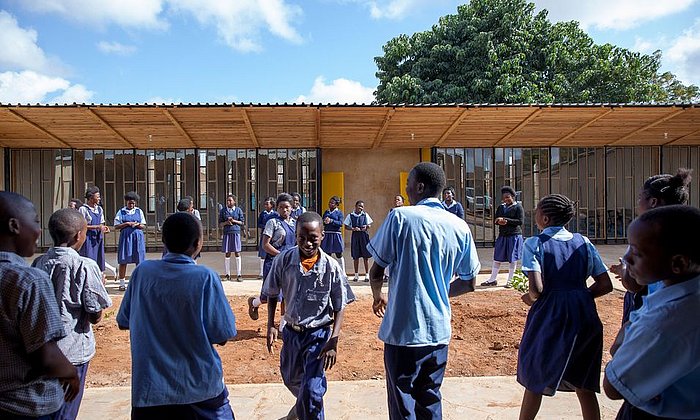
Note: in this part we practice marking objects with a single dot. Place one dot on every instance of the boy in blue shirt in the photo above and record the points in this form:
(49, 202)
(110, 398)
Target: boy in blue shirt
(655, 365)
(176, 311)
(316, 291)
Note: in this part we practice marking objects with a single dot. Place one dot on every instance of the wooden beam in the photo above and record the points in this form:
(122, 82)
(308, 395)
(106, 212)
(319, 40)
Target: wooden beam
(678, 140)
(107, 125)
(520, 126)
(318, 127)
(583, 127)
(453, 127)
(648, 126)
(20, 117)
(380, 136)
(249, 127)
(179, 127)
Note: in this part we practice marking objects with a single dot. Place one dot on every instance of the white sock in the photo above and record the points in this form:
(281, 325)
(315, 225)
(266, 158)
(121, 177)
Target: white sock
(257, 302)
(511, 271)
(262, 265)
(494, 270)
(122, 282)
(283, 322)
(238, 266)
(342, 264)
(227, 265)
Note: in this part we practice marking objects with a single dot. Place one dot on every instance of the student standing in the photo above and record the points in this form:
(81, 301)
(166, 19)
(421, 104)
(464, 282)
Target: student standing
(562, 344)
(264, 216)
(94, 246)
(509, 245)
(176, 371)
(451, 204)
(317, 292)
(33, 370)
(77, 283)
(416, 327)
(398, 200)
(131, 223)
(655, 365)
(332, 224)
(74, 204)
(297, 208)
(231, 219)
(359, 222)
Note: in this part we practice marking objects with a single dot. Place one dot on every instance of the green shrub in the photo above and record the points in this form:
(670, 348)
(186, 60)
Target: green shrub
(520, 282)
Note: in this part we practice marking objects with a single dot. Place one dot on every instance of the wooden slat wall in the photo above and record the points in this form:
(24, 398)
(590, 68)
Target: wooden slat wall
(325, 126)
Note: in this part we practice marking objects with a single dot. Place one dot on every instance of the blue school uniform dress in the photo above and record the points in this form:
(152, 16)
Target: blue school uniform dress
(333, 240)
(657, 368)
(231, 241)
(263, 217)
(94, 246)
(359, 239)
(425, 247)
(282, 236)
(132, 242)
(562, 344)
(455, 208)
(176, 370)
(312, 298)
(297, 212)
(509, 244)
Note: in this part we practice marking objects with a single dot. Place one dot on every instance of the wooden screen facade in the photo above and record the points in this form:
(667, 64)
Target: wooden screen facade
(51, 177)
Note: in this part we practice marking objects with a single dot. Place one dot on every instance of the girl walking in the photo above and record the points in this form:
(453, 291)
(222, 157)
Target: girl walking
(359, 222)
(332, 224)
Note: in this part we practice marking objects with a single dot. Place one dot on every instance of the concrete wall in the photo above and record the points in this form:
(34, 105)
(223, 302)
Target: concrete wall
(372, 176)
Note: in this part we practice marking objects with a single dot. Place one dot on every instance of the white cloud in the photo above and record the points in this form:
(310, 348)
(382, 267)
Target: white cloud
(683, 55)
(126, 13)
(643, 46)
(18, 46)
(338, 91)
(31, 87)
(161, 100)
(395, 9)
(606, 14)
(238, 23)
(115, 48)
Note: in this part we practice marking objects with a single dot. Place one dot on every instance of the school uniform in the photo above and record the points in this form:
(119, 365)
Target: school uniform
(312, 298)
(509, 244)
(174, 363)
(657, 369)
(564, 319)
(282, 234)
(29, 318)
(416, 325)
(333, 240)
(358, 239)
(77, 283)
(455, 208)
(231, 241)
(263, 218)
(297, 212)
(94, 246)
(132, 242)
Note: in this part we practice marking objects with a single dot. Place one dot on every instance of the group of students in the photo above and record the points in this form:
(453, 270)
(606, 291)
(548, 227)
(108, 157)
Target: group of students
(46, 310)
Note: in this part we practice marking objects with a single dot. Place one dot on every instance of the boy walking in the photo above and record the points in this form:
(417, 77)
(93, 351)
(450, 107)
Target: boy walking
(32, 367)
(176, 311)
(316, 291)
(77, 283)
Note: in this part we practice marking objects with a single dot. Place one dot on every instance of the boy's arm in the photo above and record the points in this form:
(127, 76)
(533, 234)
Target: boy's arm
(271, 330)
(610, 390)
(330, 349)
(48, 360)
(376, 280)
(95, 296)
(601, 286)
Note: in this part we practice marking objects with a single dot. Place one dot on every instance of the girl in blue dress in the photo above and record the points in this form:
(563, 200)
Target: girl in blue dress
(94, 246)
(265, 215)
(451, 204)
(332, 243)
(562, 344)
(297, 208)
(131, 223)
(359, 222)
(231, 219)
(509, 245)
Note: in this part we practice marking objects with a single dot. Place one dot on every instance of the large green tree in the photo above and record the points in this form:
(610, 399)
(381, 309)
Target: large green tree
(501, 51)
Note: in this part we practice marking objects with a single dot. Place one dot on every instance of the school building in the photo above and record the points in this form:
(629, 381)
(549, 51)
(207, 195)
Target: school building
(597, 154)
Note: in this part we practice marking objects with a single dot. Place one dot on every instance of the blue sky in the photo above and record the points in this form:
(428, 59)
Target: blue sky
(119, 51)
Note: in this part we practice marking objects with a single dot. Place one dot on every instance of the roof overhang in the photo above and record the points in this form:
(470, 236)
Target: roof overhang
(178, 126)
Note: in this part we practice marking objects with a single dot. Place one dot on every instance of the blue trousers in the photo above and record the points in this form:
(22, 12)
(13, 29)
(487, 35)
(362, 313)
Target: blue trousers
(413, 379)
(302, 370)
(69, 411)
(214, 408)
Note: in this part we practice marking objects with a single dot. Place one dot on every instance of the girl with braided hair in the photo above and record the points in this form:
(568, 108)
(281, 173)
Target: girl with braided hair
(658, 190)
(562, 344)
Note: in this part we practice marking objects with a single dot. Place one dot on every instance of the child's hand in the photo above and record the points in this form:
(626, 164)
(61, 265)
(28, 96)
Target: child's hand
(271, 337)
(618, 269)
(379, 305)
(329, 353)
(527, 299)
(71, 387)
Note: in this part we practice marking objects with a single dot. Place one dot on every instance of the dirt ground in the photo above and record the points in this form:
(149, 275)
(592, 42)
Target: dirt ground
(487, 327)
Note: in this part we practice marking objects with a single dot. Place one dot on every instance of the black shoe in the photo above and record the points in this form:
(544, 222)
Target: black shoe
(227, 277)
(292, 415)
(489, 283)
(239, 279)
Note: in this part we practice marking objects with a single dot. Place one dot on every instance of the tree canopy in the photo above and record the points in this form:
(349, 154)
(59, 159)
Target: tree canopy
(495, 51)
